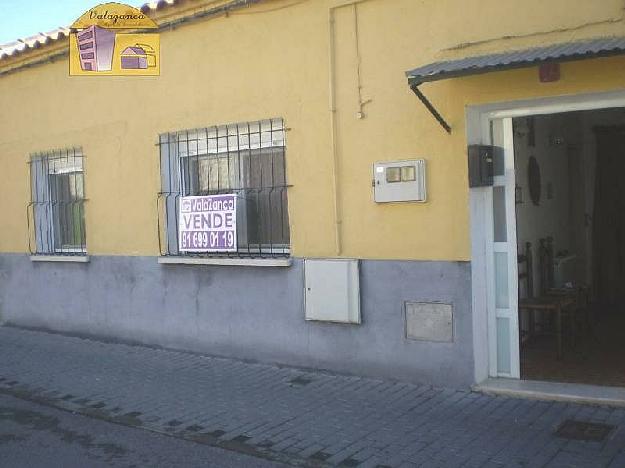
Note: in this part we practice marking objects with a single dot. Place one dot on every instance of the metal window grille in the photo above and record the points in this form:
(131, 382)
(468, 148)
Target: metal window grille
(56, 213)
(247, 159)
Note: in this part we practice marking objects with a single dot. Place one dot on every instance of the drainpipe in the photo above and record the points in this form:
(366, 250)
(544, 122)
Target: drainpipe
(333, 149)
(338, 209)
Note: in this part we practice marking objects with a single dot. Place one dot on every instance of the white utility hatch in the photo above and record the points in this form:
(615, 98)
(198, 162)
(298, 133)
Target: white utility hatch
(399, 181)
(332, 290)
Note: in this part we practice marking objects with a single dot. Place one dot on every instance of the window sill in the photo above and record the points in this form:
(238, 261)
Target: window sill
(252, 262)
(60, 258)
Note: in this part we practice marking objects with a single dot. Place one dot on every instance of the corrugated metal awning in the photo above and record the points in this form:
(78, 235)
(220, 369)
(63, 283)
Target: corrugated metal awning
(568, 51)
(473, 65)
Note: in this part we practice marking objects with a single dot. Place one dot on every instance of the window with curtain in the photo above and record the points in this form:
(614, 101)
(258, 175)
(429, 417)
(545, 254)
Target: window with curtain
(247, 159)
(57, 203)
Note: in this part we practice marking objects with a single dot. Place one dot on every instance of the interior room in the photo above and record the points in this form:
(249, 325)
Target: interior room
(570, 207)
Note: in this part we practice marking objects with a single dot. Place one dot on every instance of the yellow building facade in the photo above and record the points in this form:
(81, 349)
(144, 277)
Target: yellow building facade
(334, 71)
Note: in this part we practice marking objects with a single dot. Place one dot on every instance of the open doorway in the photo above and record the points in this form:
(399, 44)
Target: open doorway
(570, 230)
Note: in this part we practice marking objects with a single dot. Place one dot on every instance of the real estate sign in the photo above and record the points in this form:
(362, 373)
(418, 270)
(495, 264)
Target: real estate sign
(208, 223)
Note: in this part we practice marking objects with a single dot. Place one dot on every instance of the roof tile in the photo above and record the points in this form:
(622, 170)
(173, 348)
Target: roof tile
(37, 40)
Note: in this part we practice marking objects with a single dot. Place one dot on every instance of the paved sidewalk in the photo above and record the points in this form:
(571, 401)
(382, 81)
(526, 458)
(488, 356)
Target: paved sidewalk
(303, 418)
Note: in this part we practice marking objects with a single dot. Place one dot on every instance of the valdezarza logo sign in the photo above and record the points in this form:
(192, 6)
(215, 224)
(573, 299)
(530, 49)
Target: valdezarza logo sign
(111, 39)
(208, 223)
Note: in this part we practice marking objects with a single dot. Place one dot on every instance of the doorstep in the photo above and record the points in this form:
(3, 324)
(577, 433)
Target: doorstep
(555, 391)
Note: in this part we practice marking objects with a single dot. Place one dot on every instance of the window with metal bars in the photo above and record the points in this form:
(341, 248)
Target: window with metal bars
(247, 159)
(57, 207)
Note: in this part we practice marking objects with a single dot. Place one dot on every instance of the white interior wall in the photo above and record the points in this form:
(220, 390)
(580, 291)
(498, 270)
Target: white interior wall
(560, 211)
(554, 140)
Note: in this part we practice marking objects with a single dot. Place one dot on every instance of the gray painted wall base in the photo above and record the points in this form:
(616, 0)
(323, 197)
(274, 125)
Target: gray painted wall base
(248, 313)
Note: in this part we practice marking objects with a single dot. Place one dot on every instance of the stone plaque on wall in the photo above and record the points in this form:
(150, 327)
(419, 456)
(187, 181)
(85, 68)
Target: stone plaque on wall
(429, 321)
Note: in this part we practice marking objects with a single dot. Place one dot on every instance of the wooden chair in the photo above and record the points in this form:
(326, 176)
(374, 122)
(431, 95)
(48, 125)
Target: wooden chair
(548, 301)
(578, 314)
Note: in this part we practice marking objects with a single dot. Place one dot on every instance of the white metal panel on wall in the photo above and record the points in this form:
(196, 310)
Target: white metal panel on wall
(399, 181)
(332, 290)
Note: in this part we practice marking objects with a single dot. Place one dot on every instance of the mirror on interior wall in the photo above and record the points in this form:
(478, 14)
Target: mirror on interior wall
(533, 180)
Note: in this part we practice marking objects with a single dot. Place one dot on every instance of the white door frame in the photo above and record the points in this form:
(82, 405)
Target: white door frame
(481, 212)
(499, 132)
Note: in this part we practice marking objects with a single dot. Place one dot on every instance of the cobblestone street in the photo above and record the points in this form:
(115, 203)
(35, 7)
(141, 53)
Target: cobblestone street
(294, 416)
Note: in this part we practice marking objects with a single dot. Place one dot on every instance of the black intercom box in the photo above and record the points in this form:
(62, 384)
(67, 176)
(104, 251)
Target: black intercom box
(481, 165)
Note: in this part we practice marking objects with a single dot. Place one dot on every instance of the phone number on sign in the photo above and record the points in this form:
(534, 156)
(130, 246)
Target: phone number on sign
(207, 240)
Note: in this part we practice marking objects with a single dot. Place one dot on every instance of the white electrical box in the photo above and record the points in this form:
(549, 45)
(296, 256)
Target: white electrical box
(332, 290)
(399, 181)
